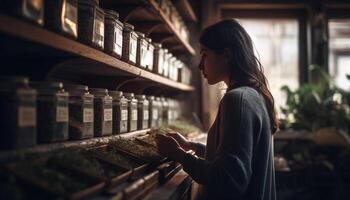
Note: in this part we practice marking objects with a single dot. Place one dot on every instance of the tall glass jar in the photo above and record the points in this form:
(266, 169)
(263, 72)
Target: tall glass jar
(120, 112)
(132, 112)
(103, 112)
(165, 113)
(153, 112)
(160, 111)
(150, 54)
(143, 112)
(62, 16)
(142, 46)
(129, 44)
(81, 112)
(158, 60)
(167, 57)
(113, 42)
(18, 113)
(31, 10)
(52, 111)
(91, 23)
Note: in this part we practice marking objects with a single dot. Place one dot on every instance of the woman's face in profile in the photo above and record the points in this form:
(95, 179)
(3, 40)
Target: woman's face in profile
(213, 66)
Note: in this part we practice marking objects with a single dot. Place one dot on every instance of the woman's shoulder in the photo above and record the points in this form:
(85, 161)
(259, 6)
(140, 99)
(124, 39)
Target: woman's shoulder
(241, 93)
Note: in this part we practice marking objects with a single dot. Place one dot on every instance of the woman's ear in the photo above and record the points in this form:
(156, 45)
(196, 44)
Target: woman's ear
(227, 55)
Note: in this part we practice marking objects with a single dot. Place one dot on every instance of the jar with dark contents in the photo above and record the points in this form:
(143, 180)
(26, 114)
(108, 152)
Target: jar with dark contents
(129, 44)
(141, 54)
(160, 111)
(103, 112)
(62, 16)
(153, 112)
(165, 109)
(120, 112)
(158, 59)
(18, 113)
(91, 23)
(113, 42)
(31, 10)
(81, 112)
(150, 54)
(132, 111)
(52, 111)
(143, 112)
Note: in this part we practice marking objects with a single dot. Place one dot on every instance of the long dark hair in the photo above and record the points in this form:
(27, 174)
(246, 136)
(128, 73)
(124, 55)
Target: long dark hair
(245, 67)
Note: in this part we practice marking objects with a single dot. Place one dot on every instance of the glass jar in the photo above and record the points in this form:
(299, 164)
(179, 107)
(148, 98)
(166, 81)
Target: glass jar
(129, 44)
(170, 111)
(103, 112)
(113, 34)
(120, 112)
(160, 111)
(167, 57)
(18, 113)
(150, 54)
(81, 112)
(158, 59)
(165, 109)
(32, 10)
(172, 68)
(63, 17)
(132, 111)
(91, 23)
(142, 46)
(153, 111)
(143, 112)
(52, 111)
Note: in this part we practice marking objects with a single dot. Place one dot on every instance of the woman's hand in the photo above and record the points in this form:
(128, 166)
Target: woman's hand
(168, 146)
(183, 142)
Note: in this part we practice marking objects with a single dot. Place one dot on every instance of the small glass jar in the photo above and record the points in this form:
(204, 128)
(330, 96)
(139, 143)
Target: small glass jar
(172, 68)
(165, 113)
(170, 111)
(158, 59)
(63, 17)
(81, 112)
(132, 112)
(52, 111)
(91, 23)
(113, 42)
(103, 112)
(160, 111)
(150, 54)
(129, 44)
(31, 10)
(141, 55)
(167, 57)
(143, 112)
(120, 112)
(153, 111)
(18, 113)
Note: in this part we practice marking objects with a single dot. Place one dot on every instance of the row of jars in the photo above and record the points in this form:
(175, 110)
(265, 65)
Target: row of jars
(101, 29)
(44, 112)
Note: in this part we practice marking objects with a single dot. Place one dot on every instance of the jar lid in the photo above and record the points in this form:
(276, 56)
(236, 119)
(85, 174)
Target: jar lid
(158, 98)
(140, 97)
(149, 40)
(111, 14)
(166, 50)
(157, 45)
(150, 97)
(128, 26)
(115, 93)
(76, 87)
(46, 85)
(129, 95)
(99, 91)
(140, 34)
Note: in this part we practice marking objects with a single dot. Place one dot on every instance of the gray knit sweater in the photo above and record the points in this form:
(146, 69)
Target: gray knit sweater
(237, 162)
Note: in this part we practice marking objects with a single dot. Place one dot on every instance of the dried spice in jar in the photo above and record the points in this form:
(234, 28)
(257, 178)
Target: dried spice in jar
(141, 54)
(18, 113)
(91, 23)
(81, 112)
(113, 42)
(132, 112)
(52, 111)
(103, 112)
(153, 111)
(31, 10)
(120, 112)
(62, 16)
(158, 59)
(143, 112)
(129, 44)
(150, 54)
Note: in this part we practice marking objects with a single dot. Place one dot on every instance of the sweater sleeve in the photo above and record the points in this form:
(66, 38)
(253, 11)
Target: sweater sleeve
(228, 175)
(199, 148)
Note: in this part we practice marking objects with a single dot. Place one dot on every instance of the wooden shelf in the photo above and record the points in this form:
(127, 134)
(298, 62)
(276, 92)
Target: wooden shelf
(164, 18)
(112, 66)
(185, 10)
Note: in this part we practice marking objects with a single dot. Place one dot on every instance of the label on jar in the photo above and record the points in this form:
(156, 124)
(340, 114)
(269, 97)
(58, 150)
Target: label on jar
(155, 114)
(26, 116)
(61, 114)
(133, 49)
(99, 32)
(118, 40)
(134, 115)
(88, 115)
(70, 18)
(108, 116)
(124, 115)
(145, 115)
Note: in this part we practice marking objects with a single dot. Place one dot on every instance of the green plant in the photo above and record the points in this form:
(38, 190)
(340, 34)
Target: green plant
(317, 105)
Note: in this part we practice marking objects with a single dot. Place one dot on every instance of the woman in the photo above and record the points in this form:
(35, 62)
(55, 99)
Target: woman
(237, 162)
